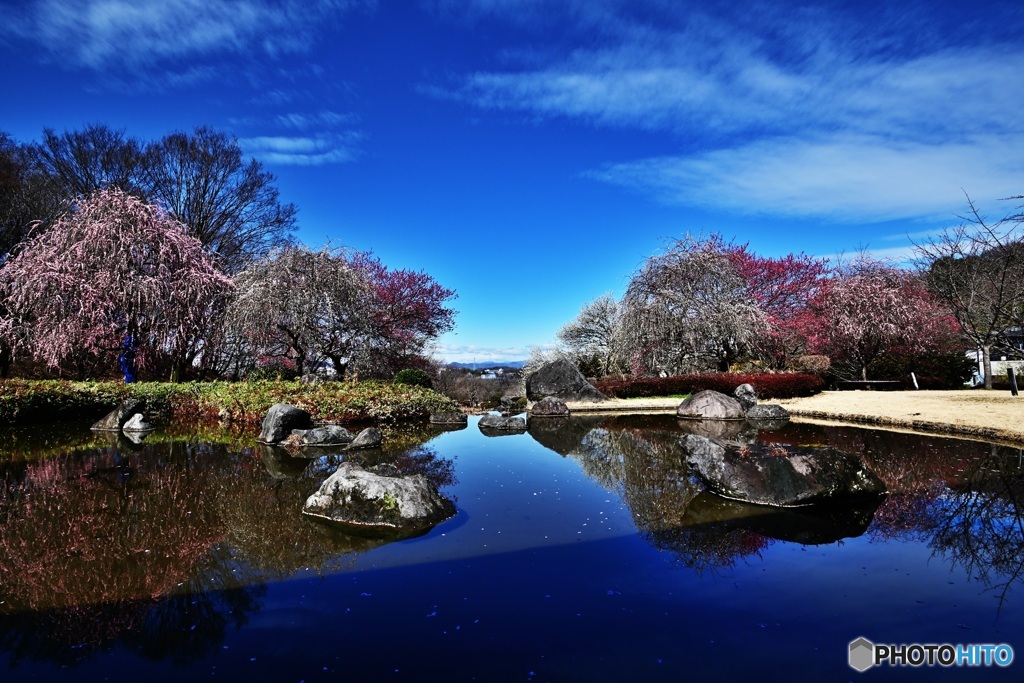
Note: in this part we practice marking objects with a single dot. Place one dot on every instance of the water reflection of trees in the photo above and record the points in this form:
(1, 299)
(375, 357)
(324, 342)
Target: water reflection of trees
(644, 464)
(163, 547)
(980, 524)
(964, 499)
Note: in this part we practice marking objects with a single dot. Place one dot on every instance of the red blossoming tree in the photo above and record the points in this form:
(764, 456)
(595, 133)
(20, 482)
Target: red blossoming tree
(114, 268)
(409, 310)
(783, 289)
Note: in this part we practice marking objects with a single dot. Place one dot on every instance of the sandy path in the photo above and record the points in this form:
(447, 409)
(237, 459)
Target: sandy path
(989, 415)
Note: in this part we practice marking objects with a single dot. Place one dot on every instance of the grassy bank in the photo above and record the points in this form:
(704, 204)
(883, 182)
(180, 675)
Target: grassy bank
(30, 401)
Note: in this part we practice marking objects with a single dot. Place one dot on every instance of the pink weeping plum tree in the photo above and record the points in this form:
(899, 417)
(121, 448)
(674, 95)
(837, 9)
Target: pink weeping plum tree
(870, 308)
(115, 275)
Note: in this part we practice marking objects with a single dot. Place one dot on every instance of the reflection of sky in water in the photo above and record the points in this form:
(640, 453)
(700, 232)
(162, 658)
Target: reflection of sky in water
(545, 575)
(512, 494)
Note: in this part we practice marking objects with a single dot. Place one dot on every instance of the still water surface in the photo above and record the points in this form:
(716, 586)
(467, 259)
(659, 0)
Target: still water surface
(581, 551)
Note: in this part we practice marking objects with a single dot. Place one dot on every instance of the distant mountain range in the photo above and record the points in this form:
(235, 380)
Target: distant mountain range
(517, 364)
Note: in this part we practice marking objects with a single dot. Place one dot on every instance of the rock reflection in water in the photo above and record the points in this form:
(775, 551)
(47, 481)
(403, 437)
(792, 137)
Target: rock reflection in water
(731, 430)
(813, 525)
(280, 463)
(965, 499)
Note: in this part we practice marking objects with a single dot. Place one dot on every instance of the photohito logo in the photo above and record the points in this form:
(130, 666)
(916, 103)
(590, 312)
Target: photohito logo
(864, 654)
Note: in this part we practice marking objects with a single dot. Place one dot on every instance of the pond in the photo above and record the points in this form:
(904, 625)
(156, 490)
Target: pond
(581, 551)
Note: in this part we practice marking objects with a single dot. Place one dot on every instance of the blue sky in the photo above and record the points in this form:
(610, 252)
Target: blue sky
(531, 154)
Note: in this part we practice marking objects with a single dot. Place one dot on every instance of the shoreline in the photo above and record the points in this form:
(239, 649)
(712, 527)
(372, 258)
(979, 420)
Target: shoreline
(993, 416)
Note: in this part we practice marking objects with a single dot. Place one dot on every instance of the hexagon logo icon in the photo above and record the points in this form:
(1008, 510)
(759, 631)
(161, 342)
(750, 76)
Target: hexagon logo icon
(862, 654)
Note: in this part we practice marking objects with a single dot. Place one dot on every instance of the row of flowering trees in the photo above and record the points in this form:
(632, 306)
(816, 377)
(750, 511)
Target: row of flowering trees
(117, 277)
(706, 304)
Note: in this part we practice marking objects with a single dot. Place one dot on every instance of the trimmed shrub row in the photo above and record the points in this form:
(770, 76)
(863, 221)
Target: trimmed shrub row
(779, 385)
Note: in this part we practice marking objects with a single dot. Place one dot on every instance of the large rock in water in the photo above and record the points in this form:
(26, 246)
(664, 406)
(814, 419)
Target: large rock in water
(449, 418)
(561, 379)
(329, 435)
(501, 424)
(549, 406)
(781, 477)
(370, 437)
(383, 501)
(710, 405)
(767, 411)
(115, 420)
(281, 419)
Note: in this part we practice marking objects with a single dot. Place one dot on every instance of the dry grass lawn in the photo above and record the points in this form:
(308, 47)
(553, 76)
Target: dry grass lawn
(988, 415)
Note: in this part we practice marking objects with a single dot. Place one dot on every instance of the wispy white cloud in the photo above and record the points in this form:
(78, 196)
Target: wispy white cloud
(129, 34)
(313, 120)
(323, 137)
(841, 176)
(311, 150)
(797, 115)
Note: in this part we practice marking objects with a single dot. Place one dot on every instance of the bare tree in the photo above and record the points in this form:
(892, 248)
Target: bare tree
(229, 204)
(24, 196)
(595, 333)
(81, 162)
(304, 305)
(977, 270)
(688, 309)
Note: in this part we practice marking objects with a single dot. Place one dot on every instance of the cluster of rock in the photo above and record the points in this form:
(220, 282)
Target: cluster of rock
(285, 424)
(549, 388)
(379, 499)
(128, 417)
(776, 475)
(546, 408)
(742, 405)
(511, 424)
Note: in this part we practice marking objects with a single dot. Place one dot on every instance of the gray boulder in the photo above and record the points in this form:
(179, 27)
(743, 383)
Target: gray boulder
(137, 423)
(114, 420)
(358, 497)
(778, 476)
(368, 438)
(549, 406)
(561, 379)
(746, 395)
(330, 435)
(767, 411)
(501, 423)
(280, 420)
(448, 418)
(710, 405)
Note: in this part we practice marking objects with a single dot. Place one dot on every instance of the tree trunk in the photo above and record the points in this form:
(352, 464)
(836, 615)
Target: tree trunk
(864, 372)
(986, 364)
(339, 367)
